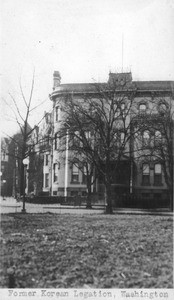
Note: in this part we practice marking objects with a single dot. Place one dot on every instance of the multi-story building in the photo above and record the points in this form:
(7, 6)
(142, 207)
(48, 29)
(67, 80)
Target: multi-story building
(153, 143)
(6, 185)
(10, 165)
(143, 178)
(38, 175)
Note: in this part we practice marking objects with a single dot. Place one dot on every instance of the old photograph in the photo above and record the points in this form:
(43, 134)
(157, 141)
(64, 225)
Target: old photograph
(87, 149)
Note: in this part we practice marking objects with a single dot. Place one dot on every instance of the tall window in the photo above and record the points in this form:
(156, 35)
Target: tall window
(46, 159)
(47, 180)
(55, 172)
(56, 141)
(158, 174)
(75, 173)
(57, 113)
(122, 138)
(146, 175)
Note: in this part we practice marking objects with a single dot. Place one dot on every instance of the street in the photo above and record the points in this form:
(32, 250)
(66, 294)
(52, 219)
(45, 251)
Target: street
(10, 205)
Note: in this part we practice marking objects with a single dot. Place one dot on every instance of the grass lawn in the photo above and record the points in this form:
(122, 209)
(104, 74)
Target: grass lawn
(90, 251)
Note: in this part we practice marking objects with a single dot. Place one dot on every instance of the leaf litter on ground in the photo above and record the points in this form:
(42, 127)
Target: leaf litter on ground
(118, 251)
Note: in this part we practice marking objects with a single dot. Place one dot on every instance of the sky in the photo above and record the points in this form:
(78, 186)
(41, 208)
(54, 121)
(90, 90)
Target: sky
(82, 39)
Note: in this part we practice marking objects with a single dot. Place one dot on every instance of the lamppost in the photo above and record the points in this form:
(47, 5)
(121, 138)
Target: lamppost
(173, 166)
(25, 163)
(4, 182)
(1, 183)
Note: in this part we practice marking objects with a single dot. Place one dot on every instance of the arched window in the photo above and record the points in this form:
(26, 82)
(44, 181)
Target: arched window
(146, 137)
(158, 174)
(142, 108)
(146, 174)
(163, 108)
(158, 137)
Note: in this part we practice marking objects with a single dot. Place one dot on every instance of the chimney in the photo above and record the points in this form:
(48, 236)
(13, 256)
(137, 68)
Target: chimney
(56, 79)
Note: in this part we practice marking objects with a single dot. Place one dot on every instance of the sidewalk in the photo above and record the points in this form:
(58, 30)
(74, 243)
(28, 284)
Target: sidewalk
(10, 205)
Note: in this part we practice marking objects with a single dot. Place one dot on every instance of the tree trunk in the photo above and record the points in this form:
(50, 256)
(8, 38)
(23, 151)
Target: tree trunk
(89, 204)
(22, 181)
(109, 209)
(171, 198)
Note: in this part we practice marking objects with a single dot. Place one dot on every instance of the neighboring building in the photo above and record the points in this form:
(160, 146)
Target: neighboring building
(137, 177)
(11, 163)
(39, 152)
(6, 177)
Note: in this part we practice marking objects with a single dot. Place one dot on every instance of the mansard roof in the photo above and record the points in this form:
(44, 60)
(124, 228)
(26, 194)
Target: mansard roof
(138, 86)
(153, 85)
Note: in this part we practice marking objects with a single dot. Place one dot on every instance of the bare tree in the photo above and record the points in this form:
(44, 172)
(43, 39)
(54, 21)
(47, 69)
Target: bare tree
(21, 116)
(105, 115)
